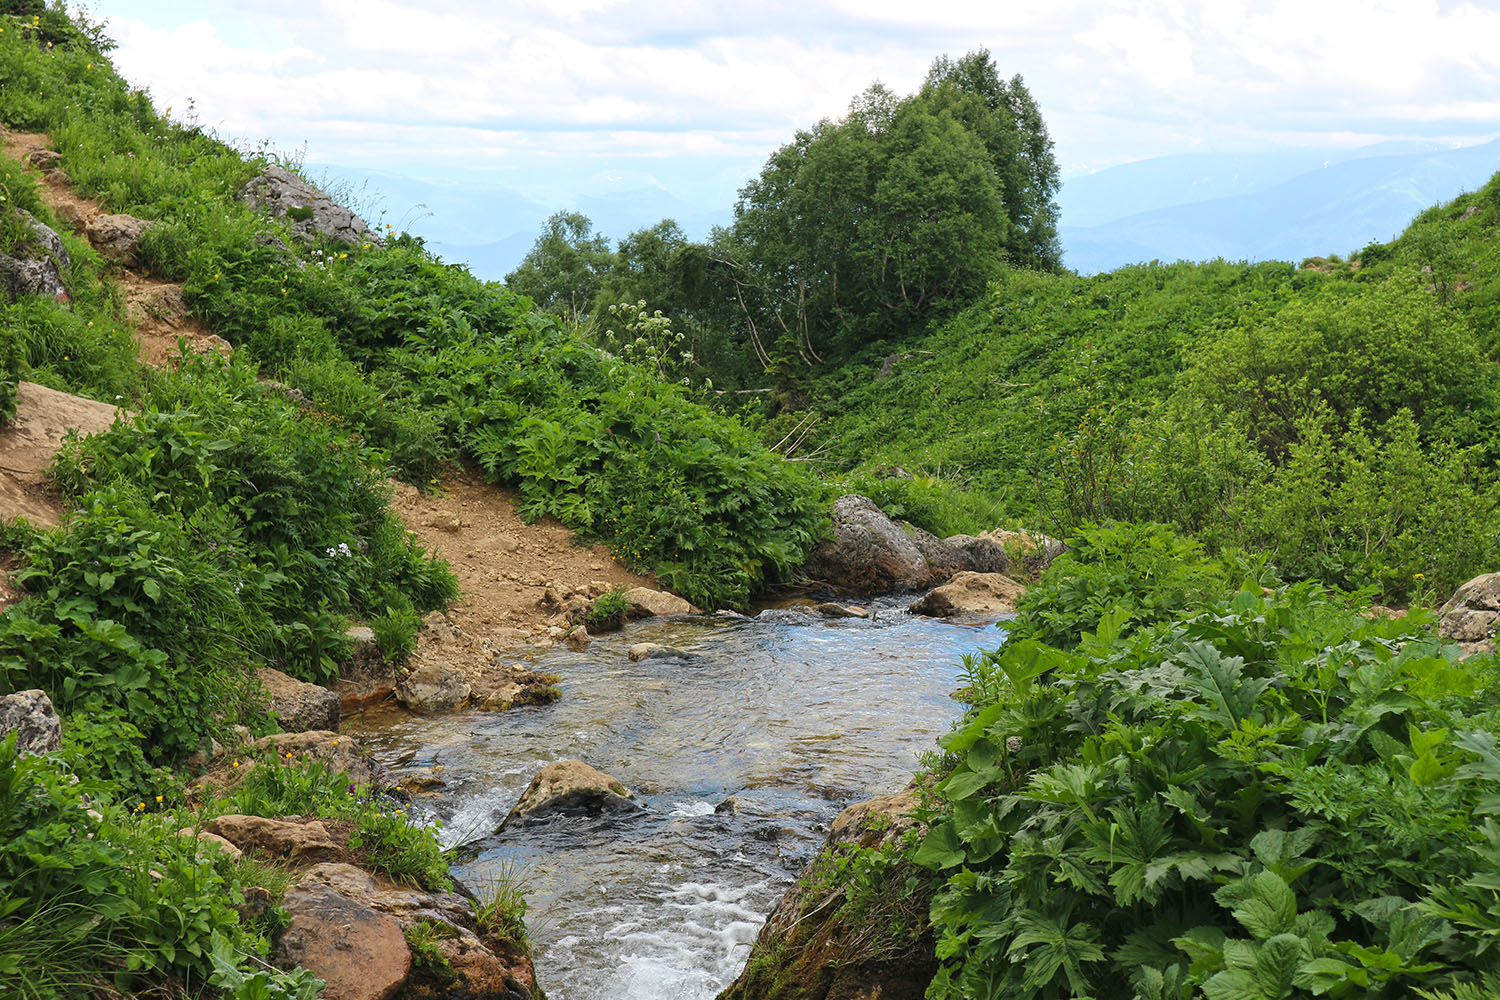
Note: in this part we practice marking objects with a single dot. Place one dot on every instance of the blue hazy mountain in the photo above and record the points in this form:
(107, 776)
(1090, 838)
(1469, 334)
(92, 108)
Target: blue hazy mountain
(489, 226)
(1264, 206)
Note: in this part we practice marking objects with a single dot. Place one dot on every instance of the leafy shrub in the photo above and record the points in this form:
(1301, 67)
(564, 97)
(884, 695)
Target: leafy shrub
(608, 609)
(1356, 349)
(91, 898)
(1266, 796)
(126, 610)
(297, 507)
(396, 633)
(1138, 574)
(102, 745)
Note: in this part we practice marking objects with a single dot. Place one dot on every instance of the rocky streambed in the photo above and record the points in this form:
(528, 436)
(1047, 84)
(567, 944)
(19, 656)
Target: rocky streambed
(742, 750)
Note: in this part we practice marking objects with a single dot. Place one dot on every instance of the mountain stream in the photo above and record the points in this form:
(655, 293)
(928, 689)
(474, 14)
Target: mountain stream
(790, 714)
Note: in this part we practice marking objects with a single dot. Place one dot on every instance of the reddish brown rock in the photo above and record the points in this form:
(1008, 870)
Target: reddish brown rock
(503, 971)
(358, 952)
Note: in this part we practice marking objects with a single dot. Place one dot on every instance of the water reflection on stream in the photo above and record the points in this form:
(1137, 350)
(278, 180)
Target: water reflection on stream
(793, 715)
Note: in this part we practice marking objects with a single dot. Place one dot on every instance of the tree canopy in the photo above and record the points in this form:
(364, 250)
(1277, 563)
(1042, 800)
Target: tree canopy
(861, 229)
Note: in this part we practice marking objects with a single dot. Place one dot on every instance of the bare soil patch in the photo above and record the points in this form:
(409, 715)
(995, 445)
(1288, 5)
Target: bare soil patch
(504, 565)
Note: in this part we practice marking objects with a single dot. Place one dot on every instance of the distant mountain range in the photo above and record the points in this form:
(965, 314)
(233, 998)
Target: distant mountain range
(1263, 206)
(490, 227)
(1239, 206)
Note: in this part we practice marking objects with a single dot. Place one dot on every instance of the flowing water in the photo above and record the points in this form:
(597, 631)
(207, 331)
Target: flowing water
(791, 715)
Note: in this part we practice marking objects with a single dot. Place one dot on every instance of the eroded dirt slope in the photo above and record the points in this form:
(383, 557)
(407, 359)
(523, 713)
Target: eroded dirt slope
(504, 565)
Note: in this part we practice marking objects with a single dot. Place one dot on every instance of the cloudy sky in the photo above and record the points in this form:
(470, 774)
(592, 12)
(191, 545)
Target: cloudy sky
(552, 96)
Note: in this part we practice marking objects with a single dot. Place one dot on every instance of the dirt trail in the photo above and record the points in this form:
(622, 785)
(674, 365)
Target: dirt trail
(505, 567)
(155, 308)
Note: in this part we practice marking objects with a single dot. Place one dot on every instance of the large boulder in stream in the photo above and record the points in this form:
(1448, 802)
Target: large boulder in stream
(869, 553)
(434, 686)
(818, 945)
(572, 787)
(971, 594)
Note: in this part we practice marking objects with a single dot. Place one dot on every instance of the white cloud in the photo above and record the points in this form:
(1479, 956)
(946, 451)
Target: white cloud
(1115, 80)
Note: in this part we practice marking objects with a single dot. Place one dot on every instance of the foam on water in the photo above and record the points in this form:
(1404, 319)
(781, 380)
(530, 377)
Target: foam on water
(792, 715)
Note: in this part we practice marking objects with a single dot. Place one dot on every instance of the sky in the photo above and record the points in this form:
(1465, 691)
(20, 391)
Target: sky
(554, 98)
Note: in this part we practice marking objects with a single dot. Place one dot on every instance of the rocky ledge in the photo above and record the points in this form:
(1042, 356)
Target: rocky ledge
(354, 929)
(825, 942)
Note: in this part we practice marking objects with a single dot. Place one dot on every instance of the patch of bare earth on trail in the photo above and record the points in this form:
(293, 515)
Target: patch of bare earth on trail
(504, 566)
(154, 308)
(27, 445)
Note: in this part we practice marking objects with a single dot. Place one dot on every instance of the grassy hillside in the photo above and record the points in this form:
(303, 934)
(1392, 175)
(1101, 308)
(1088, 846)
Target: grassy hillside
(422, 360)
(1340, 415)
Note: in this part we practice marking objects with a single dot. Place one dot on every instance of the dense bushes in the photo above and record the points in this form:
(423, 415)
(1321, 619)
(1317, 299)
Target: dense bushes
(1263, 795)
(1352, 503)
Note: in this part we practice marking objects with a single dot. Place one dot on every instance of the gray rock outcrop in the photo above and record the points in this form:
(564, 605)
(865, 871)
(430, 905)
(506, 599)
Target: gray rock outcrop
(1471, 617)
(981, 553)
(30, 715)
(39, 272)
(298, 705)
(868, 552)
(943, 560)
(572, 787)
(118, 237)
(971, 594)
(305, 209)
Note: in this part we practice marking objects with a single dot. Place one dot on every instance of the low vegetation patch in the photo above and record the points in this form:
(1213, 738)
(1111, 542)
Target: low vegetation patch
(1263, 793)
